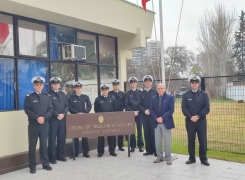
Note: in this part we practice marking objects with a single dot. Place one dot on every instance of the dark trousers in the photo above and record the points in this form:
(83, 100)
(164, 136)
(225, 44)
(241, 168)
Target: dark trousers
(149, 133)
(199, 128)
(35, 132)
(140, 142)
(84, 146)
(101, 144)
(57, 130)
(118, 141)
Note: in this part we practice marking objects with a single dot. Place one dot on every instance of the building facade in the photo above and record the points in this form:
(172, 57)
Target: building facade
(32, 36)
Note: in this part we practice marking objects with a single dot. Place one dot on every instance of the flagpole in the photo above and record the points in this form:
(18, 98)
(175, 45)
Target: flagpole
(162, 43)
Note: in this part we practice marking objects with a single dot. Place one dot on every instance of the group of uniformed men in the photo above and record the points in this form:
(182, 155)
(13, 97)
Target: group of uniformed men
(46, 115)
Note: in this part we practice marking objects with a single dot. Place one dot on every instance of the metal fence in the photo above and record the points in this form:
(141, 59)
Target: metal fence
(226, 120)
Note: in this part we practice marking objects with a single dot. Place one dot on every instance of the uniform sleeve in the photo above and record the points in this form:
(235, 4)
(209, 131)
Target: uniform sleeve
(141, 107)
(205, 110)
(140, 100)
(88, 104)
(49, 112)
(114, 104)
(152, 110)
(126, 103)
(96, 105)
(170, 111)
(66, 108)
(123, 100)
(71, 108)
(184, 107)
(27, 107)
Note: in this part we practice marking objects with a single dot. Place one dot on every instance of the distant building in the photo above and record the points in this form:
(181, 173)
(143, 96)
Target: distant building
(152, 49)
(138, 55)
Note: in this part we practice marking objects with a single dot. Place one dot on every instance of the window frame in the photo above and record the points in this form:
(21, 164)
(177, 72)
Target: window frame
(18, 42)
(47, 59)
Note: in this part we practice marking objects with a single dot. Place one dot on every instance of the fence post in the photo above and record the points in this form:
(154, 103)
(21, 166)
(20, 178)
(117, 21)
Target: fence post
(203, 84)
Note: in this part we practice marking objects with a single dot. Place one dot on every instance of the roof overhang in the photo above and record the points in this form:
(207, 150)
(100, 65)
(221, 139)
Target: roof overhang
(118, 18)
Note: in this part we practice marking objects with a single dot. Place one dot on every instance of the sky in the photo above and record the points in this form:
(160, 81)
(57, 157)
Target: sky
(189, 26)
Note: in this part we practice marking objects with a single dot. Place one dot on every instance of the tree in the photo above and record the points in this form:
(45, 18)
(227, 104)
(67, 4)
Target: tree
(178, 60)
(150, 65)
(215, 40)
(215, 46)
(196, 69)
(239, 46)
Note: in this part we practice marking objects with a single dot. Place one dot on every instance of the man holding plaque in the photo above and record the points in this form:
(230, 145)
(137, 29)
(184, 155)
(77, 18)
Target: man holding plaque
(119, 97)
(105, 103)
(79, 104)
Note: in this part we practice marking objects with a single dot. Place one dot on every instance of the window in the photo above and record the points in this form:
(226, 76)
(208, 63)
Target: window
(107, 74)
(6, 84)
(39, 53)
(59, 35)
(89, 41)
(6, 35)
(65, 71)
(88, 75)
(32, 39)
(107, 50)
(27, 69)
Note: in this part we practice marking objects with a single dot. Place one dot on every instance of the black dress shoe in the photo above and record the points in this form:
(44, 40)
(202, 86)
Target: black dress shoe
(100, 155)
(32, 171)
(147, 153)
(141, 149)
(206, 163)
(155, 154)
(53, 162)
(121, 149)
(113, 154)
(86, 155)
(48, 168)
(190, 162)
(132, 149)
(62, 159)
(71, 156)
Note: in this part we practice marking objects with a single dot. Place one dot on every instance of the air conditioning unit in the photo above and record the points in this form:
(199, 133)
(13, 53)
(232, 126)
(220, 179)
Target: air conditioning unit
(73, 52)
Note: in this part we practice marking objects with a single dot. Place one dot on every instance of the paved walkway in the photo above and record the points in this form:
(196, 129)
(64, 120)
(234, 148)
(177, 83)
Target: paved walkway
(135, 167)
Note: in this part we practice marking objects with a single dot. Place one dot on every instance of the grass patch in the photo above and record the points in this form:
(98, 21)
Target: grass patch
(226, 156)
(225, 130)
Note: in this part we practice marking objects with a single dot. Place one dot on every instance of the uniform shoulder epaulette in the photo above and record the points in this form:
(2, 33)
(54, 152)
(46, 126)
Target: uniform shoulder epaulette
(28, 95)
(186, 92)
(47, 94)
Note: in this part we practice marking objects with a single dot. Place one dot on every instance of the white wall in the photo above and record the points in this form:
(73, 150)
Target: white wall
(236, 93)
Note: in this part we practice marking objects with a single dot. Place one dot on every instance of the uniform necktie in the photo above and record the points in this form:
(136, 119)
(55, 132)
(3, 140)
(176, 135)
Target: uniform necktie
(160, 104)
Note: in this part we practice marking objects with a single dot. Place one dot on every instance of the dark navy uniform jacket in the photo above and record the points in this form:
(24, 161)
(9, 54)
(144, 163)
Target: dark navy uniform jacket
(166, 111)
(59, 102)
(79, 104)
(119, 97)
(195, 103)
(102, 104)
(38, 106)
(146, 99)
(132, 100)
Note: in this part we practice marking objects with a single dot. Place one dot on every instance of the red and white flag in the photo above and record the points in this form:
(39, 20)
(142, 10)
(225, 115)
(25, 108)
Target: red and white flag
(4, 32)
(144, 3)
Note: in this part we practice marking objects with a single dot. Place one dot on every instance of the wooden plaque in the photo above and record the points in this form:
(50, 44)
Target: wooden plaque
(100, 124)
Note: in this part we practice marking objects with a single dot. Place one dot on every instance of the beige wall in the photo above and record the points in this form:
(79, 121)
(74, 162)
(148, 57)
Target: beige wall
(13, 132)
(130, 24)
